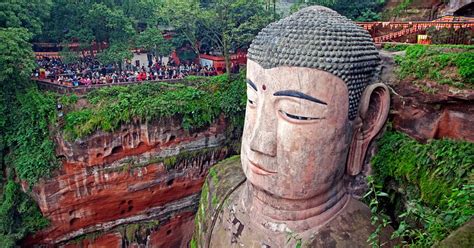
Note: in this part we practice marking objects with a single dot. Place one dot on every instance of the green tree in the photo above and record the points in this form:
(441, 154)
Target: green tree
(16, 65)
(142, 11)
(88, 21)
(360, 10)
(232, 24)
(19, 215)
(152, 40)
(224, 25)
(27, 14)
(108, 24)
(115, 54)
(183, 17)
(19, 21)
(67, 20)
(68, 56)
(16, 55)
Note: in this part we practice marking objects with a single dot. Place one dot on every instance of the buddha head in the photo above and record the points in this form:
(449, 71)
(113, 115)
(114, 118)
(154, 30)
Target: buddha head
(313, 107)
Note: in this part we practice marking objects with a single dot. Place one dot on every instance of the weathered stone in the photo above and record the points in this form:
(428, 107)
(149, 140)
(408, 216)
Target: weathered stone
(107, 240)
(438, 115)
(174, 232)
(350, 228)
(140, 173)
(223, 179)
(462, 237)
(301, 148)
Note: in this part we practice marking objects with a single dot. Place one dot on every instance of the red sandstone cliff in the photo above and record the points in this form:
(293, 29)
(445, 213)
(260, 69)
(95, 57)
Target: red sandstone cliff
(446, 112)
(433, 115)
(136, 186)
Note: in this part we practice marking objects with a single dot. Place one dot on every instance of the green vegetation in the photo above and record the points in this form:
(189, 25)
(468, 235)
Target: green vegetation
(203, 206)
(115, 54)
(361, 10)
(198, 25)
(31, 147)
(429, 187)
(449, 35)
(152, 40)
(19, 215)
(26, 151)
(132, 232)
(193, 243)
(395, 47)
(447, 64)
(197, 106)
(170, 162)
(397, 11)
(218, 24)
(30, 157)
(89, 237)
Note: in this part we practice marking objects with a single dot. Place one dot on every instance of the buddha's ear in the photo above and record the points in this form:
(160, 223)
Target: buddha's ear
(373, 111)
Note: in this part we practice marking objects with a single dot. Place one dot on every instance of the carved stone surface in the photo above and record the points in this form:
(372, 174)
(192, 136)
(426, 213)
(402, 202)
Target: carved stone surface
(142, 173)
(425, 116)
(318, 37)
(462, 237)
(301, 147)
(220, 216)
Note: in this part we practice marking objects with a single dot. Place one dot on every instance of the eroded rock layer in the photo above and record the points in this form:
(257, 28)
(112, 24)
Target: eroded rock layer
(129, 187)
(433, 115)
(428, 111)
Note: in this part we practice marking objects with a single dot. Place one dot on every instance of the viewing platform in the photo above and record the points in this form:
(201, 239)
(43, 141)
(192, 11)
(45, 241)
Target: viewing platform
(388, 31)
(49, 85)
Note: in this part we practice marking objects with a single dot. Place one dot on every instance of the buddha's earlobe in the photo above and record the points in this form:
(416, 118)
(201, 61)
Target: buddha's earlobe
(373, 111)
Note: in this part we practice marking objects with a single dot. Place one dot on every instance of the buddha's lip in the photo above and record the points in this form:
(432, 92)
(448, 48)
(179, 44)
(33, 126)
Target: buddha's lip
(257, 169)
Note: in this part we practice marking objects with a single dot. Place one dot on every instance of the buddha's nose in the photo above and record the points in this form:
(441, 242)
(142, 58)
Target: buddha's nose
(263, 139)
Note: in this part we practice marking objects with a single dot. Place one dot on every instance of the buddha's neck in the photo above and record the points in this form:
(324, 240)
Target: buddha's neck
(300, 214)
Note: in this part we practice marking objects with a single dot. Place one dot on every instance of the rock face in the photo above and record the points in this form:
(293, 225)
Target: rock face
(455, 5)
(462, 237)
(447, 113)
(131, 187)
(433, 116)
(417, 10)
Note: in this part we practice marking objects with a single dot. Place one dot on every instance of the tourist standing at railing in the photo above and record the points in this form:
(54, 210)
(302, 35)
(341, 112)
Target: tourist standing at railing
(91, 70)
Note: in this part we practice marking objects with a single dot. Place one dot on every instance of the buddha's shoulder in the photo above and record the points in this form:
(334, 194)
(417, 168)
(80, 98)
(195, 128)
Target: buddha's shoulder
(223, 179)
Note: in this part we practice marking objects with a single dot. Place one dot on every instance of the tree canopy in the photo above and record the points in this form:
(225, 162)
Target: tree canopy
(19, 21)
(200, 25)
(152, 39)
(360, 10)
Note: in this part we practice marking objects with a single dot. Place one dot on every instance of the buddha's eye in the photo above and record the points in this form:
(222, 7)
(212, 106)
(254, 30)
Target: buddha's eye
(252, 102)
(252, 97)
(298, 117)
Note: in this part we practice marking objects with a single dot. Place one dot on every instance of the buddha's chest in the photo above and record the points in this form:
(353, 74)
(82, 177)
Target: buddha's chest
(235, 226)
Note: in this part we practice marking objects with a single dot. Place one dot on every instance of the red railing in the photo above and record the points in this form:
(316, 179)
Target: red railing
(407, 28)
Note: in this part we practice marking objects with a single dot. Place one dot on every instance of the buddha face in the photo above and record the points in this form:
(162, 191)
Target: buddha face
(297, 132)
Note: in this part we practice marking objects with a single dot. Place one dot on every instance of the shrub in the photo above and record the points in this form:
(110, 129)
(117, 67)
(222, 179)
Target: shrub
(395, 47)
(197, 105)
(447, 64)
(28, 138)
(19, 215)
(430, 187)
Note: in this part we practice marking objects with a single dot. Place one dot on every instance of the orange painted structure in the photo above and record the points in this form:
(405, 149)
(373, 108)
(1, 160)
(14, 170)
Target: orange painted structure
(389, 31)
(218, 62)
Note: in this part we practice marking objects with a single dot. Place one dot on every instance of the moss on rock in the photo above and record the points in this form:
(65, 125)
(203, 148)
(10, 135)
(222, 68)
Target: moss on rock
(430, 186)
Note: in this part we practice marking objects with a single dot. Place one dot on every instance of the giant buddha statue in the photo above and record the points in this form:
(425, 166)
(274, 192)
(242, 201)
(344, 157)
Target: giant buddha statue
(313, 108)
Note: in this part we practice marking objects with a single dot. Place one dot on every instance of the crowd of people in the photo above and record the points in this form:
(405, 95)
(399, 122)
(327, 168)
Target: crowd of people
(88, 71)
